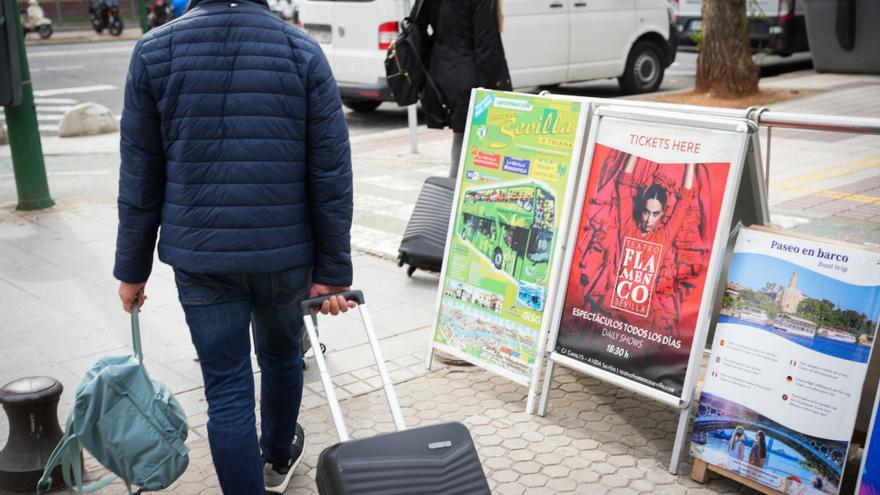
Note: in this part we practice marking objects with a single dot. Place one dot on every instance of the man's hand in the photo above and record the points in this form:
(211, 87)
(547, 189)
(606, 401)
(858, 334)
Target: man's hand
(129, 293)
(334, 305)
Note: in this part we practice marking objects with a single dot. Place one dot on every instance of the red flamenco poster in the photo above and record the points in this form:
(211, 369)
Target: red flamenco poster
(644, 245)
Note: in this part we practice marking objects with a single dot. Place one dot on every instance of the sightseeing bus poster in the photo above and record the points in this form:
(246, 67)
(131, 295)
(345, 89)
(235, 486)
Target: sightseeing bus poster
(788, 361)
(514, 183)
(644, 244)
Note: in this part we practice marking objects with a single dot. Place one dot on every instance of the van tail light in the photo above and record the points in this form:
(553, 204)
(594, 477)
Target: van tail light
(387, 34)
(675, 8)
(786, 11)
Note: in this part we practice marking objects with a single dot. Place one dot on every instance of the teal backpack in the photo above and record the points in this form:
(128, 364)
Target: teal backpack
(131, 424)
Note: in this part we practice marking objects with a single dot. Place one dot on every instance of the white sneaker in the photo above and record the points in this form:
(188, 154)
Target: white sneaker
(277, 475)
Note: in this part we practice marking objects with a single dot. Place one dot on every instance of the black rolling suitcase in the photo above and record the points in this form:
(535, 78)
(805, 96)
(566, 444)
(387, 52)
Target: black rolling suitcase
(425, 237)
(432, 460)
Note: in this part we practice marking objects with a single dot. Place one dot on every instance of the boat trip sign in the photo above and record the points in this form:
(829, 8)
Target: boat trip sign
(791, 350)
(512, 196)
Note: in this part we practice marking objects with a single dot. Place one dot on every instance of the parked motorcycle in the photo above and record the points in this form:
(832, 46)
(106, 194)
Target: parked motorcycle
(105, 15)
(34, 20)
(159, 12)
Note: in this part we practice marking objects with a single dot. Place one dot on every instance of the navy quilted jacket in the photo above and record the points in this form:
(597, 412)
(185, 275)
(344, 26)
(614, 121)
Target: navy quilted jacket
(233, 140)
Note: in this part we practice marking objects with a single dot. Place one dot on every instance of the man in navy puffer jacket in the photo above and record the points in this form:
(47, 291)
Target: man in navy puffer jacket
(234, 142)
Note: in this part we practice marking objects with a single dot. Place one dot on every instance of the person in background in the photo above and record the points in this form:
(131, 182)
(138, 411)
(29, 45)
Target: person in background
(467, 53)
(234, 143)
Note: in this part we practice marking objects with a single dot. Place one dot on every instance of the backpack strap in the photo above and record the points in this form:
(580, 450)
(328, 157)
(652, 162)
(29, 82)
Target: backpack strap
(136, 333)
(59, 455)
(67, 454)
(429, 79)
(416, 10)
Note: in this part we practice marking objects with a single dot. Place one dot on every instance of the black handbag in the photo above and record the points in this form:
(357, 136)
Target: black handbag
(405, 68)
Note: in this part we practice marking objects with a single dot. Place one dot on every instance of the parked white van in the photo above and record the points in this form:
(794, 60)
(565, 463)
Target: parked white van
(547, 42)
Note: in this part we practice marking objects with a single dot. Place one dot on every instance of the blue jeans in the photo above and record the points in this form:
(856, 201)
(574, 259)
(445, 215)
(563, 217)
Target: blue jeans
(220, 310)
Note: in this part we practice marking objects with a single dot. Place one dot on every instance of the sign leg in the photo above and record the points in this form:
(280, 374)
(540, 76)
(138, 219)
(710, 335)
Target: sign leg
(545, 389)
(430, 358)
(680, 438)
(700, 474)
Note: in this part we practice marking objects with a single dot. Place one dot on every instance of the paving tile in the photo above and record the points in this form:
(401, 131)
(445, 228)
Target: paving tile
(534, 480)
(505, 476)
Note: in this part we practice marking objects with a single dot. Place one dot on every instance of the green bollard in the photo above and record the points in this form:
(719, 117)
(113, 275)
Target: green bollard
(142, 7)
(23, 134)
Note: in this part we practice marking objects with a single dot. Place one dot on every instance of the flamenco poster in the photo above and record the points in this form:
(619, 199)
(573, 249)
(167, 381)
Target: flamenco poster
(638, 271)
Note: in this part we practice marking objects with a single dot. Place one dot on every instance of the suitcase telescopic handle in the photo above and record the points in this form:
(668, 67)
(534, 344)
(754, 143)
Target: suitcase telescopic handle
(350, 295)
(327, 380)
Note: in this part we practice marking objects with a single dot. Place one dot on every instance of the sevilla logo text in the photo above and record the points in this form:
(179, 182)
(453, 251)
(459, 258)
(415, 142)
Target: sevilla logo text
(636, 277)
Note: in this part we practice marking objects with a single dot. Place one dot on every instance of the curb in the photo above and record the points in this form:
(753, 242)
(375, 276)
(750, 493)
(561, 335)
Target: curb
(82, 39)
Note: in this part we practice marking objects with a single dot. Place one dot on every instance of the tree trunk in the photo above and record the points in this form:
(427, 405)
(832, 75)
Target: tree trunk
(724, 65)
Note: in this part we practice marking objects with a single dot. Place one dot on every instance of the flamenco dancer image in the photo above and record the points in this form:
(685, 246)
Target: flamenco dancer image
(640, 214)
(639, 199)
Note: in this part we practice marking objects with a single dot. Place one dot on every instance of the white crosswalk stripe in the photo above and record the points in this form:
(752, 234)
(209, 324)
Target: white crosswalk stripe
(49, 113)
(55, 101)
(374, 241)
(54, 108)
(75, 90)
(390, 182)
(383, 206)
(437, 170)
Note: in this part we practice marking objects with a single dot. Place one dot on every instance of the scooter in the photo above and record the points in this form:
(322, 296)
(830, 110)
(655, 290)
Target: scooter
(105, 15)
(34, 20)
(159, 12)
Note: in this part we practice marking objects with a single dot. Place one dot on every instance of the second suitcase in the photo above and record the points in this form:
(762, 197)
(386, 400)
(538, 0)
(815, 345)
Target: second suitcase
(432, 460)
(424, 239)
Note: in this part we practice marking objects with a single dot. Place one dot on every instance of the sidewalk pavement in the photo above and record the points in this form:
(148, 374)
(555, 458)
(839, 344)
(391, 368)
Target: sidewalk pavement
(61, 36)
(59, 313)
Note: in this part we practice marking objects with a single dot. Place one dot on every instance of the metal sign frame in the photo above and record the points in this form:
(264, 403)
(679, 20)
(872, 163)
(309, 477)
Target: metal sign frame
(871, 433)
(565, 216)
(746, 131)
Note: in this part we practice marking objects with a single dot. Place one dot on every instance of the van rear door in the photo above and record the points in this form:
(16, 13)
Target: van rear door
(317, 18)
(361, 33)
(354, 34)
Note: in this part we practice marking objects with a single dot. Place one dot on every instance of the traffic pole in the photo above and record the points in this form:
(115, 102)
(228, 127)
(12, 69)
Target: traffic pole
(23, 132)
(145, 24)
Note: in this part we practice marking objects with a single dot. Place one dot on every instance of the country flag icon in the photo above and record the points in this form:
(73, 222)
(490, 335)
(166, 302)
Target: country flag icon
(722, 342)
(789, 379)
(718, 359)
(793, 363)
(785, 397)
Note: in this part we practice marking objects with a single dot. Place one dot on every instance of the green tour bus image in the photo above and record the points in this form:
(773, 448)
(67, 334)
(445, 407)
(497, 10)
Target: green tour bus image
(512, 225)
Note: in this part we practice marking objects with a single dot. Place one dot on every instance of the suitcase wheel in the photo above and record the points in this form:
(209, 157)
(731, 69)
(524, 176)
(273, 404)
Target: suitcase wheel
(323, 349)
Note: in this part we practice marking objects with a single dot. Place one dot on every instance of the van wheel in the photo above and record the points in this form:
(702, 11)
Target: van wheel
(363, 106)
(644, 69)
